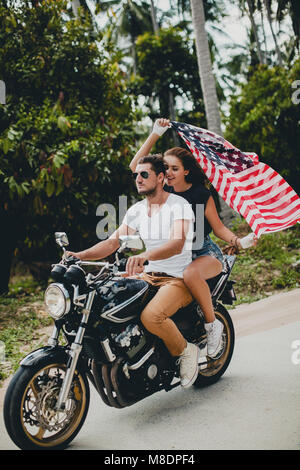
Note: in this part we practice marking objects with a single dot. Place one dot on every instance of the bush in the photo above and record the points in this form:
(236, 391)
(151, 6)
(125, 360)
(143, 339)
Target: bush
(66, 129)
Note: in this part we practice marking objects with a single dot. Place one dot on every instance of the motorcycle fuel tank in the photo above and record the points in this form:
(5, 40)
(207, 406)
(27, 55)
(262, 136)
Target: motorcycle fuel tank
(122, 299)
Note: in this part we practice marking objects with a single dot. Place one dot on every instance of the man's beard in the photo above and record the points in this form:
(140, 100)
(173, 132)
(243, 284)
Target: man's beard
(147, 192)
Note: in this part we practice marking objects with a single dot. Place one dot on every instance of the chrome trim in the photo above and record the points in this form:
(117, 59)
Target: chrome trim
(109, 314)
(219, 284)
(79, 300)
(107, 350)
(230, 260)
(74, 353)
(53, 340)
(138, 364)
(64, 291)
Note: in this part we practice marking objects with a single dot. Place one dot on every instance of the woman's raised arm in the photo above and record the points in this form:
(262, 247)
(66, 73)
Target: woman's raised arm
(159, 128)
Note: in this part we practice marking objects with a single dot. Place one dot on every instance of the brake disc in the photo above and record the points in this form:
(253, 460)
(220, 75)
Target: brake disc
(42, 412)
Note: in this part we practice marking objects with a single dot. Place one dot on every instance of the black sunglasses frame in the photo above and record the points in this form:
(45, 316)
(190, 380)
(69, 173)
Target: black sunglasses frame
(144, 175)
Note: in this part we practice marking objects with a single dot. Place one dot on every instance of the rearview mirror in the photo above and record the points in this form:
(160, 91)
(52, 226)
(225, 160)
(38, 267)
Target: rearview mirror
(61, 239)
(132, 242)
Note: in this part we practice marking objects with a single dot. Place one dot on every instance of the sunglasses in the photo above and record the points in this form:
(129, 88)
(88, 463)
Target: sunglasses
(144, 175)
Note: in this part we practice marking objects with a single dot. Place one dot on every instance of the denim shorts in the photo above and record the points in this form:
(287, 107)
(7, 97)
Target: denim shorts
(209, 248)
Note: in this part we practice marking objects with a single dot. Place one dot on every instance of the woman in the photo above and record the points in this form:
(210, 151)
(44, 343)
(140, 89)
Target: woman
(186, 178)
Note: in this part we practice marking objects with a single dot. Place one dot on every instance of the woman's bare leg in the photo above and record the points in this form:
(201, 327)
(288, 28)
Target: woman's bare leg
(195, 275)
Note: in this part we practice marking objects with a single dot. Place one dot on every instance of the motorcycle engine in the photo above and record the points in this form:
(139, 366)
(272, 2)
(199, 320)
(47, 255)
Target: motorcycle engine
(131, 340)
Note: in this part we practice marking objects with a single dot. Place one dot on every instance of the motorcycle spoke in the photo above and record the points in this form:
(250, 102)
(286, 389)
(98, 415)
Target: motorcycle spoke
(35, 388)
(43, 425)
(40, 434)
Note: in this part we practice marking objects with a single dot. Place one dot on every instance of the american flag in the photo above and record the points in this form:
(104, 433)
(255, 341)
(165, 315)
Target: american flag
(251, 188)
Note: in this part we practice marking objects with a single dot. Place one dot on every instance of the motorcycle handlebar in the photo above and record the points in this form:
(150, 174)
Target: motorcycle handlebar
(121, 265)
(123, 262)
(71, 259)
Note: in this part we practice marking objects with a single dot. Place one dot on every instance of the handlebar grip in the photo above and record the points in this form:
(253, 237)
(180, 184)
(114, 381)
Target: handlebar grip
(123, 262)
(71, 259)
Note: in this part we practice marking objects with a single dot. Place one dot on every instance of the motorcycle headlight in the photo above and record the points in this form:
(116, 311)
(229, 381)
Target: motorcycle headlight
(57, 301)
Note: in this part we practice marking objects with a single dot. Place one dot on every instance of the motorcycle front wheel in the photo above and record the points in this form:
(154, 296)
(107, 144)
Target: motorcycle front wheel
(30, 416)
(215, 368)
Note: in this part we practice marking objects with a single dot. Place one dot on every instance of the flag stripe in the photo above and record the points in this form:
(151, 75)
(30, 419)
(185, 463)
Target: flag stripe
(294, 207)
(270, 218)
(250, 187)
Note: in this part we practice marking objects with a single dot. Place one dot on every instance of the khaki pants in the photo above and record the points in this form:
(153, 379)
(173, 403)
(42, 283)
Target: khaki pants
(171, 296)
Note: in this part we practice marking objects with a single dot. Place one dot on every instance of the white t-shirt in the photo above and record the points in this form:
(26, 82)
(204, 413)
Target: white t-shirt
(156, 230)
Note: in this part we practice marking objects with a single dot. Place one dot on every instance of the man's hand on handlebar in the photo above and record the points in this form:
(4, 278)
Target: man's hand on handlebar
(130, 266)
(135, 264)
(71, 256)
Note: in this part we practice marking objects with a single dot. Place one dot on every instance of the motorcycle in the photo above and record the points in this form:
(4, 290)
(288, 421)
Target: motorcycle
(98, 337)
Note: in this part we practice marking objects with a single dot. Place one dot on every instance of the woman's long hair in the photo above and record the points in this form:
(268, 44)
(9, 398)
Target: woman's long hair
(189, 162)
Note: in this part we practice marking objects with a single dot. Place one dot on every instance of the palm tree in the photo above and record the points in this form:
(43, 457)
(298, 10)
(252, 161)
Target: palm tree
(75, 6)
(153, 17)
(292, 7)
(268, 6)
(207, 79)
(129, 19)
(208, 84)
(250, 10)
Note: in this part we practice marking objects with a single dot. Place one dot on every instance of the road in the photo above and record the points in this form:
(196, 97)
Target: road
(254, 406)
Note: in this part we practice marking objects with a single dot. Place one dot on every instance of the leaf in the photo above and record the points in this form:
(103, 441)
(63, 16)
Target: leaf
(6, 145)
(59, 159)
(25, 187)
(50, 188)
(68, 173)
(63, 123)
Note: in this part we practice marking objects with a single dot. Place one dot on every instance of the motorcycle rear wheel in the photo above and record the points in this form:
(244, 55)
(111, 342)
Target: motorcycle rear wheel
(29, 414)
(216, 367)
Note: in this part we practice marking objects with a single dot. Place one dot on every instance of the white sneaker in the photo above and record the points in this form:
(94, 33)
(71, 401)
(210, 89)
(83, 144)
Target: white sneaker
(189, 365)
(214, 332)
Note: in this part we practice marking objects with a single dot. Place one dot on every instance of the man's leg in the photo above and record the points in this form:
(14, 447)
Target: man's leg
(171, 296)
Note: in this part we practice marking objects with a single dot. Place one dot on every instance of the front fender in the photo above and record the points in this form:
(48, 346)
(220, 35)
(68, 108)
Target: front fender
(57, 354)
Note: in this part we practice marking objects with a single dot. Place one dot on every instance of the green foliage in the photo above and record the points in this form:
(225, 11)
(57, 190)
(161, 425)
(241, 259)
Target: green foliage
(264, 119)
(167, 62)
(22, 318)
(67, 126)
(271, 266)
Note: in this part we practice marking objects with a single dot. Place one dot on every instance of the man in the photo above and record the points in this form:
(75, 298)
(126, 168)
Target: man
(165, 224)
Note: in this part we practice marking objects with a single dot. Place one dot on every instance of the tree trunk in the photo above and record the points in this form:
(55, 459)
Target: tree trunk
(133, 53)
(267, 5)
(265, 54)
(208, 86)
(153, 17)
(255, 31)
(75, 6)
(207, 79)
(172, 117)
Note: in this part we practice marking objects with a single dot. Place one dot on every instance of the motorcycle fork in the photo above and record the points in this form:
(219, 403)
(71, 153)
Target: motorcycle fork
(74, 353)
